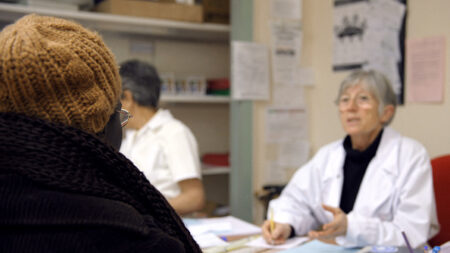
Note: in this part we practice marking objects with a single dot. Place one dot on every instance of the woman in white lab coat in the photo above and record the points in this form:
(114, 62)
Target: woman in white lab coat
(161, 146)
(365, 189)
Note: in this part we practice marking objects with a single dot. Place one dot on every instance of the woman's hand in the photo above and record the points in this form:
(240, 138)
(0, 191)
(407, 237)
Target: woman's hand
(279, 234)
(335, 228)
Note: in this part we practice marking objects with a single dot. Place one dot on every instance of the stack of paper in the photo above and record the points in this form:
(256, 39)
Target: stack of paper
(222, 226)
(208, 232)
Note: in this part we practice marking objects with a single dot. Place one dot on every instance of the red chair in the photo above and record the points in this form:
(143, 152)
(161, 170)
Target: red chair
(441, 181)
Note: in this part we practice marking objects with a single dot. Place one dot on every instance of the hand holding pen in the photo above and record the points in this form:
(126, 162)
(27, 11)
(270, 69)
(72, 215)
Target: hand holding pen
(275, 233)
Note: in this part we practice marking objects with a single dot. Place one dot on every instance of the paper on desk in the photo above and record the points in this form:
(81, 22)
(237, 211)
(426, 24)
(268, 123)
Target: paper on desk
(320, 247)
(216, 228)
(223, 226)
(261, 243)
(445, 248)
(209, 240)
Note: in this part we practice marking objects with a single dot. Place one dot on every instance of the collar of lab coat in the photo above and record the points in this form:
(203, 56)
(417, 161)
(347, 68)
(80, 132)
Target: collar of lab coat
(385, 150)
(388, 151)
(161, 117)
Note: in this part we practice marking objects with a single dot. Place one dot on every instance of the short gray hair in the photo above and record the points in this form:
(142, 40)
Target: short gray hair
(142, 80)
(374, 82)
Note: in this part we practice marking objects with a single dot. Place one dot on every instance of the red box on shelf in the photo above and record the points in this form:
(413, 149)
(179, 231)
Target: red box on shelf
(215, 159)
(218, 86)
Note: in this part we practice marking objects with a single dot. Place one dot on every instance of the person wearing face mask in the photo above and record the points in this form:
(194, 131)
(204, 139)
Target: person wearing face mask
(64, 186)
(365, 189)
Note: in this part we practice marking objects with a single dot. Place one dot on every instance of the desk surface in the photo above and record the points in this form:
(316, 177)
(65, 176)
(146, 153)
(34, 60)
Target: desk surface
(248, 249)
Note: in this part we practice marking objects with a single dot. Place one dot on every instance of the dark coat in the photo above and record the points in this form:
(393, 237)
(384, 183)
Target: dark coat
(64, 190)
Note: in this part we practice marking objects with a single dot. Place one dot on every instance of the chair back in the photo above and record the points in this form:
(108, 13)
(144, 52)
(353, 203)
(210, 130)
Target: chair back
(441, 182)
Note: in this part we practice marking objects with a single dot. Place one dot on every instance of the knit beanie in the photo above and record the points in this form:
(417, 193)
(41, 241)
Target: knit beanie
(57, 70)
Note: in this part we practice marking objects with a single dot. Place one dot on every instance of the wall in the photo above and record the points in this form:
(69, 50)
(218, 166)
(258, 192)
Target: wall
(427, 123)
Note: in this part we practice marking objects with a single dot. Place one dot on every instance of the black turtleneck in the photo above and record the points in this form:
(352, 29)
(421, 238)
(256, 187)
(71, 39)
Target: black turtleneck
(355, 166)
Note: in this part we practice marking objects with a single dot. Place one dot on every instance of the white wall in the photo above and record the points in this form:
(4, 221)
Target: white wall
(428, 123)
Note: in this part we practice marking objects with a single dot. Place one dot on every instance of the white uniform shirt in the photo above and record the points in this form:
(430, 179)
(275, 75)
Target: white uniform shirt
(396, 194)
(165, 150)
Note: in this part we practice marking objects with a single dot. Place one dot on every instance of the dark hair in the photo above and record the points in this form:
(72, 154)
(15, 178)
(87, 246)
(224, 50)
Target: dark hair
(142, 80)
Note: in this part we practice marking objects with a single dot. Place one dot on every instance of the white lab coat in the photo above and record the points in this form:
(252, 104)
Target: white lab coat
(396, 194)
(165, 150)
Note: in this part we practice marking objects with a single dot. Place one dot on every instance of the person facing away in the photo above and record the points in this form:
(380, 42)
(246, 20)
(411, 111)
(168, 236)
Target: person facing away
(162, 147)
(63, 184)
(365, 189)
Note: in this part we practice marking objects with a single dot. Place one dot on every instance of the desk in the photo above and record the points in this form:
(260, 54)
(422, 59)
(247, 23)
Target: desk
(234, 230)
(314, 246)
(254, 250)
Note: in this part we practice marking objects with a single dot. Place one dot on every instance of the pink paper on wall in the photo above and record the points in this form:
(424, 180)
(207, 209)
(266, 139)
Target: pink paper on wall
(425, 69)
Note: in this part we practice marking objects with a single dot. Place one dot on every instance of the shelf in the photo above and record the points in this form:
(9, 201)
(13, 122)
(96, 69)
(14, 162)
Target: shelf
(125, 24)
(194, 99)
(208, 170)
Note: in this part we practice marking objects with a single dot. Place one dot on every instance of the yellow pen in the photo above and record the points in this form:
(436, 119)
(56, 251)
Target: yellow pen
(272, 223)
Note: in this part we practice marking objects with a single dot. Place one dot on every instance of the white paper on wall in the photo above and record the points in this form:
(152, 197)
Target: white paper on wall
(250, 71)
(425, 69)
(286, 9)
(283, 159)
(288, 96)
(286, 124)
(350, 24)
(275, 173)
(286, 48)
(366, 35)
(293, 154)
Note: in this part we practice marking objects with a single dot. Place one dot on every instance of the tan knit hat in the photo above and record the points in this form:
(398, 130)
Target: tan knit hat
(57, 70)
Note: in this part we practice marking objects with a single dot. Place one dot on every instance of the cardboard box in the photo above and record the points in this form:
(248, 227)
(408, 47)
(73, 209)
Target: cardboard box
(148, 9)
(216, 11)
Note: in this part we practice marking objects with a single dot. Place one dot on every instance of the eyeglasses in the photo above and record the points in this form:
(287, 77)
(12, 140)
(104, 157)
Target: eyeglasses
(124, 117)
(360, 100)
